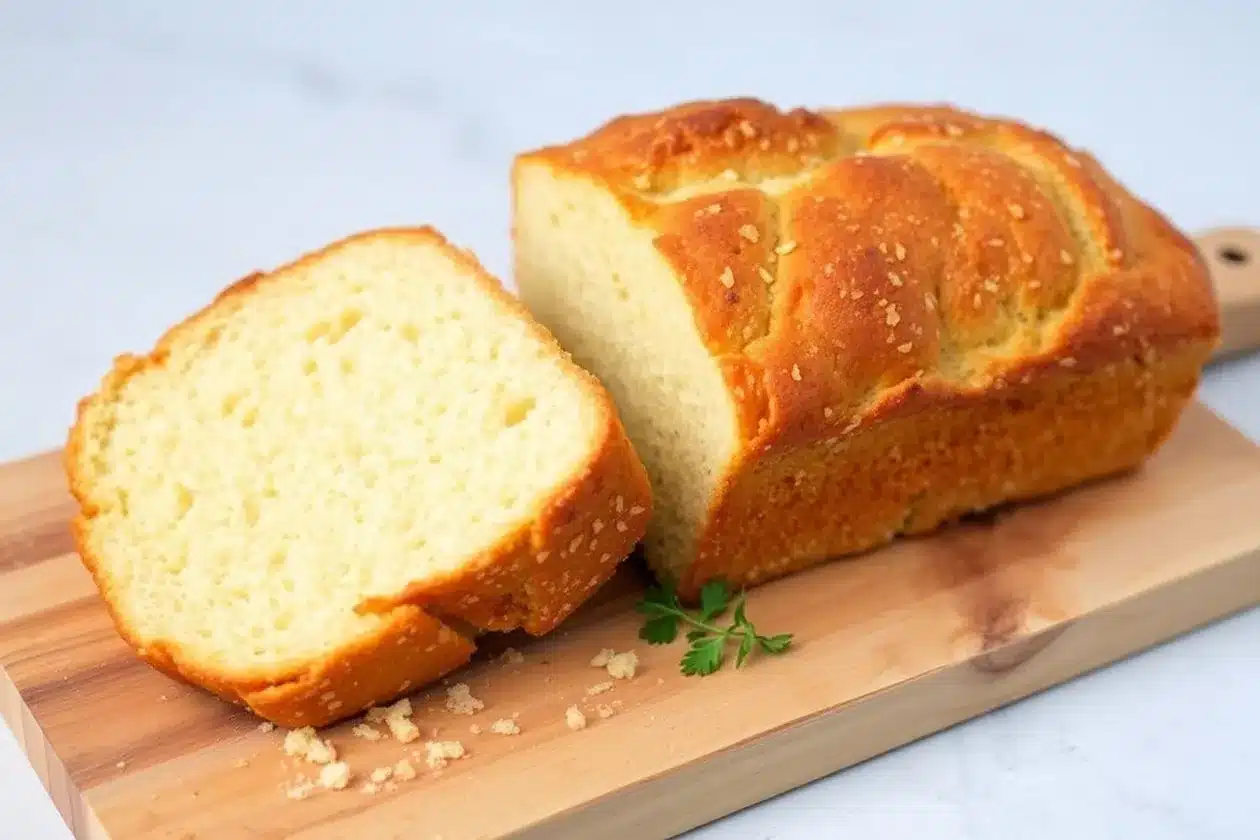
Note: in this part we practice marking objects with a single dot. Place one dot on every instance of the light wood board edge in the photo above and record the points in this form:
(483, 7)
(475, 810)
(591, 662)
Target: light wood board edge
(1233, 259)
(781, 761)
(66, 797)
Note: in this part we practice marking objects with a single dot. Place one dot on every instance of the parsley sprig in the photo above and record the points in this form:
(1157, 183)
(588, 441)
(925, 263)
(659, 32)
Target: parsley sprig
(707, 641)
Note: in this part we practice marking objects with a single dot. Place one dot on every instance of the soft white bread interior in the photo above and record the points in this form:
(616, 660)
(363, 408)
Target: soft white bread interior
(305, 487)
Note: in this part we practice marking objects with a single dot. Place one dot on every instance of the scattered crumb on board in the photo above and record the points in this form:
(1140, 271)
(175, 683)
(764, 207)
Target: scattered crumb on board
(505, 726)
(438, 753)
(460, 701)
(305, 744)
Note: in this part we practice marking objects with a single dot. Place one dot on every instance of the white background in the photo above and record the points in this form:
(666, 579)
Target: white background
(150, 153)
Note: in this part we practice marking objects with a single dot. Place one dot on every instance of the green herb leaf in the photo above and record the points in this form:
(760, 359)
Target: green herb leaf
(746, 643)
(658, 600)
(706, 640)
(704, 657)
(660, 630)
(714, 598)
(775, 644)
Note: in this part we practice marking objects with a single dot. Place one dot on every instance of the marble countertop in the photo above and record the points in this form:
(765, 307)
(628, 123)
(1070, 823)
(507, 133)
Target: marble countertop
(152, 152)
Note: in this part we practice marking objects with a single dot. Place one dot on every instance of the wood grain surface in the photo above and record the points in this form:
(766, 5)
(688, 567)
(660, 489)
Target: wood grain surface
(891, 646)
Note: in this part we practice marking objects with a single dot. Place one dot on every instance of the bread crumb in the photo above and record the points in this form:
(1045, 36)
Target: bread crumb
(599, 688)
(398, 719)
(512, 656)
(622, 666)
(459, 700)
(404, 771)
(505, 726)
(604, 711)
(266, 726)
(574, 719)
(437, 753)
(305, 744)
(367, 733)
(300, 789)
(475, 729)
(750, 232)
(600, 659)
(334, 776)
(378, 714)
(381, 774)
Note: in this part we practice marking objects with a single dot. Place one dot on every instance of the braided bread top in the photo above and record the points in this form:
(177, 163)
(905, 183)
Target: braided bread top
(841, 263)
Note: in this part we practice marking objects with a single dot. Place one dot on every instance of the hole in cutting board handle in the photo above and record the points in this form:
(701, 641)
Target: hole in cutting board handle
(1233, 254)
(1233, 259)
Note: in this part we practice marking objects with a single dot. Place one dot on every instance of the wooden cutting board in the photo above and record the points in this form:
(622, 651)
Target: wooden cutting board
(890, 647)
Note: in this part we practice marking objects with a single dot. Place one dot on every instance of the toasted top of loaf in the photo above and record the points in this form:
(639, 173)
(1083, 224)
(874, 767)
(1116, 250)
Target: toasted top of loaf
(846, 264)
(376, 426)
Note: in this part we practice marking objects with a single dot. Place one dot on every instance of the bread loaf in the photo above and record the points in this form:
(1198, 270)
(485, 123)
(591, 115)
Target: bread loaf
(827, 328)
(313, 494)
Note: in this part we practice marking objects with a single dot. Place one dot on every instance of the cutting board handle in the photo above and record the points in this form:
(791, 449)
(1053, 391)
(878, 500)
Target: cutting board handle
(1233, 258)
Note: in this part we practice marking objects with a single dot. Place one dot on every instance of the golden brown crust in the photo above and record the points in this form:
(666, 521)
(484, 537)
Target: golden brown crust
(847, 268)
(532, 579)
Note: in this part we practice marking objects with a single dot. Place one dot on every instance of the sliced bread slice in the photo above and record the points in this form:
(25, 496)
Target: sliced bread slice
(312, 494)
